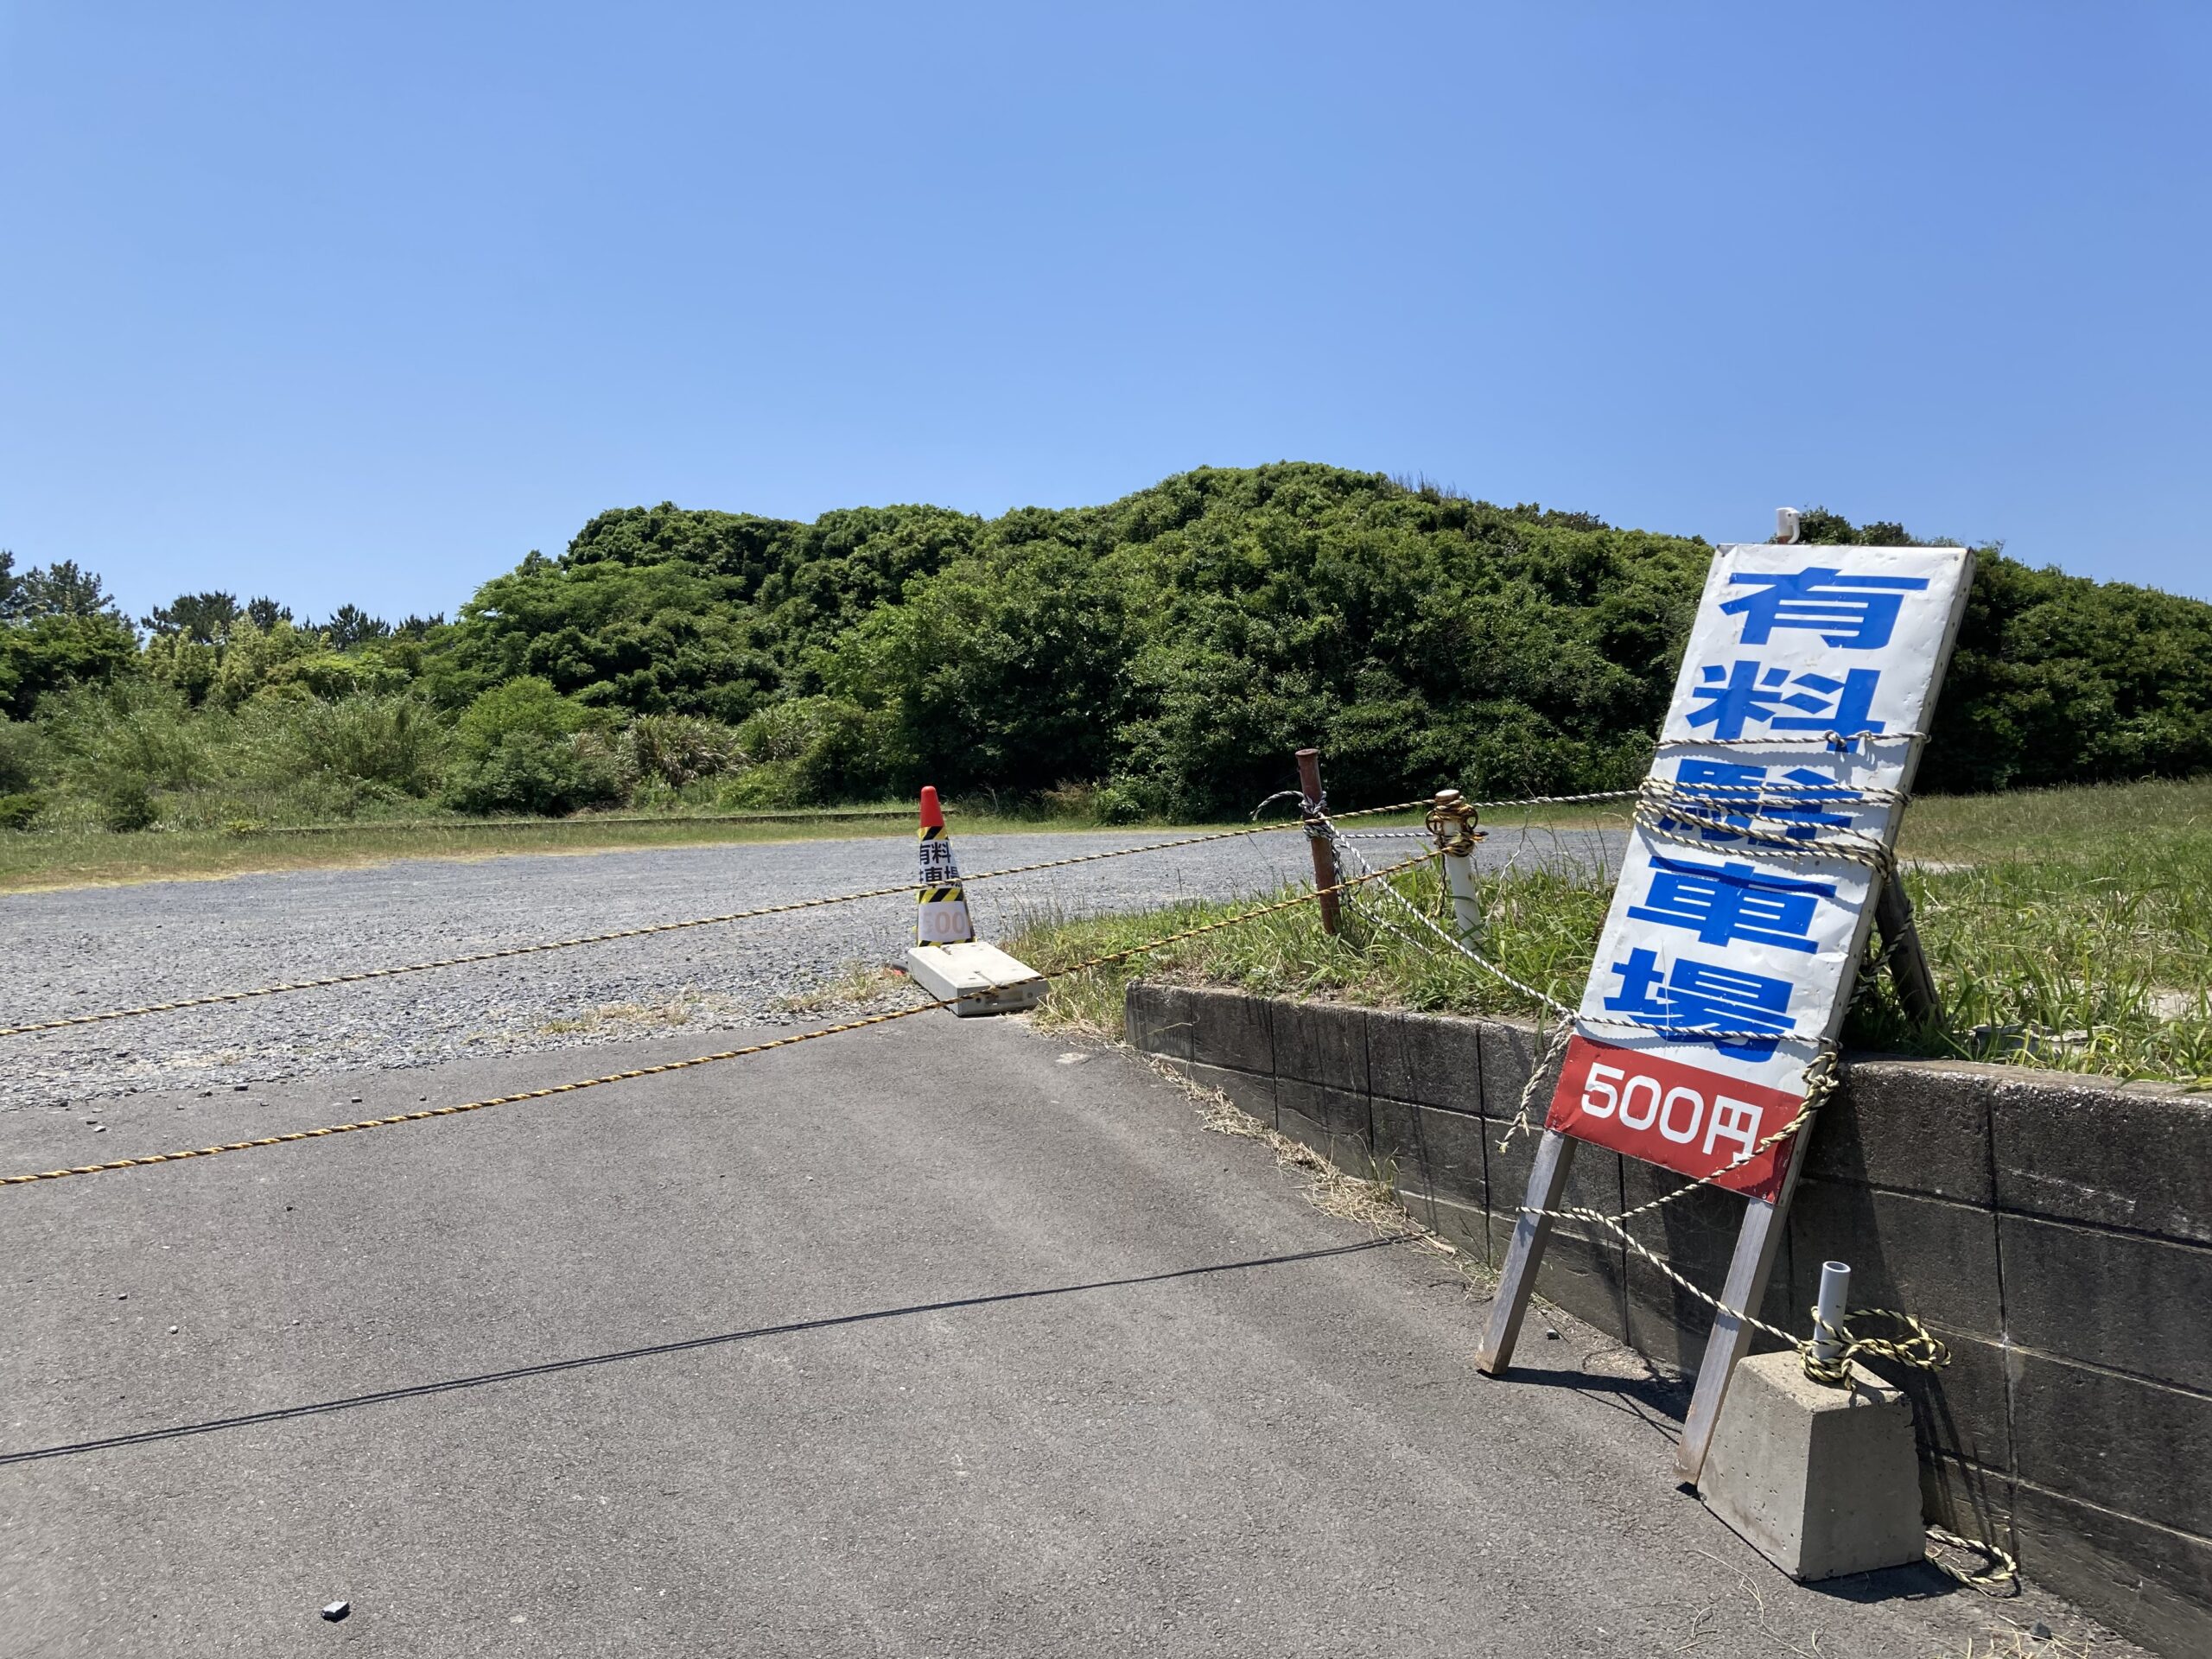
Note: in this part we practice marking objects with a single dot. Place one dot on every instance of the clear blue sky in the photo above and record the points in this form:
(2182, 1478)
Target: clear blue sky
(361, 302)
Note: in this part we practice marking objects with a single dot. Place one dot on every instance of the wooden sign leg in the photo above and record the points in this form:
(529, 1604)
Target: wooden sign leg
(1546, 1181)
(1765, 1224)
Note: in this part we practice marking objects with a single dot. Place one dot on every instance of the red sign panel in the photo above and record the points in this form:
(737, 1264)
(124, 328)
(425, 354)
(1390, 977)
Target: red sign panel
(1681, 1117)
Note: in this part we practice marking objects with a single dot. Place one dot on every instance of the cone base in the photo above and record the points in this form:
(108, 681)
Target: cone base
(985, 978)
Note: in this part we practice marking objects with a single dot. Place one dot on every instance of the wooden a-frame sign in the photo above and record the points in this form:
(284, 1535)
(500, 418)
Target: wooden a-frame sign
(1728, 955)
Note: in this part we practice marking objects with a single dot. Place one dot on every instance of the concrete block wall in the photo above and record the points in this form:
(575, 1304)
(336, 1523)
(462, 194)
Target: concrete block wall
(2056, 1231)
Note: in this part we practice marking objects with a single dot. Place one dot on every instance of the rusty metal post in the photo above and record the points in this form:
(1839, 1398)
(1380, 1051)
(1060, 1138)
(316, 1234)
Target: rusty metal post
(1325, 857)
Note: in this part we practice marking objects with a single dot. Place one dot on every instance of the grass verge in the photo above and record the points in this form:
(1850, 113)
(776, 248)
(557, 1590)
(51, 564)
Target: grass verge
(2068, 928)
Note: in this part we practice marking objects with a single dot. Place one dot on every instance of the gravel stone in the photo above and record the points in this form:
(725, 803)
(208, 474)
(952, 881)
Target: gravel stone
(82, 950)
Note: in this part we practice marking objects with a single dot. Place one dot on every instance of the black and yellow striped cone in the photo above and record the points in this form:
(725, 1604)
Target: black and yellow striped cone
(942, 916)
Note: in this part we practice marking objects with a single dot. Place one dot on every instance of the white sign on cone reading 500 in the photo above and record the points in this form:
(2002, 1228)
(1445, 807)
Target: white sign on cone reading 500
(941, 916)
(1811, 671)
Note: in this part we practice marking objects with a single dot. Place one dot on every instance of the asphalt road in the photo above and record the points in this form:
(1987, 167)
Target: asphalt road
(924, 1340)
(82, 950)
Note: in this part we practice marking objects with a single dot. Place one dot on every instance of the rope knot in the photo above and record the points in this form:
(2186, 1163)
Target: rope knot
(1452, 820)
(1920, 1348)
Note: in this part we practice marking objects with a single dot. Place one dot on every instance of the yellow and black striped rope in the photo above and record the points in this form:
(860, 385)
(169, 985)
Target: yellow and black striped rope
(667, 1066)
(468, 1106)
(214, 998)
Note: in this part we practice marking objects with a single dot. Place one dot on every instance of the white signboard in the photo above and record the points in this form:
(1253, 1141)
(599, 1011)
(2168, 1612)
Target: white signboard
(1726, 960)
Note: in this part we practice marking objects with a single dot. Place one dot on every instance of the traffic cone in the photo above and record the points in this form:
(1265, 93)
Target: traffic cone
(942, 917)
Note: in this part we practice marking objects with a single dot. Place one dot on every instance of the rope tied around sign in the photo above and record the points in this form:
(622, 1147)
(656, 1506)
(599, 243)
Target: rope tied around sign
(1829, 743)
(1779, 820)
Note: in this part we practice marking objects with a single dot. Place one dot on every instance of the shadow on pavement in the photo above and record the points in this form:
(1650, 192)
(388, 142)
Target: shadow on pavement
(552, 1367)
(1654, 1398)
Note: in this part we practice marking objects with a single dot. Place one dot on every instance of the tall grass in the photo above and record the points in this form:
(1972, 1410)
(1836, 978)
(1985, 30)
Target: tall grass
(136, 754)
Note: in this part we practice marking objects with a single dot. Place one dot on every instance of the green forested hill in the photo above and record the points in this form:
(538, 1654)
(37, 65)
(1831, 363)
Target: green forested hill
(1159, 655)
(1180, 641)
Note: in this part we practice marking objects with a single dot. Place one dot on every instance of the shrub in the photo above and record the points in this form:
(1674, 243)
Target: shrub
(821, 749)
(22, 752)
(106, 740)
(518, 752)
(764, 787)
(20, 812)
(1115, 804)
(1081, 802)
(1074, 801)
(125, 804)
(528, 772)
(679, 749)
(394, 745)
(524, 705)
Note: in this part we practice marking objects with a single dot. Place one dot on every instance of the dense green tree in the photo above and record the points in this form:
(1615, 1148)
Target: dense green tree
(58, 628)
(204, 619)
(657, 610)
(350, 625)
(2058, 678)
(999, 671)
(62, 589)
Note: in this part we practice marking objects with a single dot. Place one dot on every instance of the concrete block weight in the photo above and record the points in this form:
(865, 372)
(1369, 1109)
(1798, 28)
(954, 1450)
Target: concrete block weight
(1822, 1481)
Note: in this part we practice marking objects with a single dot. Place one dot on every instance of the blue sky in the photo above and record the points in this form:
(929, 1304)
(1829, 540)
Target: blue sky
(361, 303)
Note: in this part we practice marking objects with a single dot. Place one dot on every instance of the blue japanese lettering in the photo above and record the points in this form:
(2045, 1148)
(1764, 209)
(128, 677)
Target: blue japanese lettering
(1701, 997)
(1744, 692)
(1851, 613)
(1723, 903)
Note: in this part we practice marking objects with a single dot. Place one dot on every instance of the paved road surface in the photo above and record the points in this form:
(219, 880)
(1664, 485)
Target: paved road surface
(93, 948)
(917, 1341)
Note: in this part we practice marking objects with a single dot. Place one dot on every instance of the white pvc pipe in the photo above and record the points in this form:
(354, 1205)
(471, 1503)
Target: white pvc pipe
(1828, 1310)
(1459, 879)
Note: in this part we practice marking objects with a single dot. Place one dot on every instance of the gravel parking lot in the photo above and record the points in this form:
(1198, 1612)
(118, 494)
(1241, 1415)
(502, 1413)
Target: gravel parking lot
(89, 948)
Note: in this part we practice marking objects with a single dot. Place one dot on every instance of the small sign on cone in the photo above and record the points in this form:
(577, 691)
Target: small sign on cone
(942, 915)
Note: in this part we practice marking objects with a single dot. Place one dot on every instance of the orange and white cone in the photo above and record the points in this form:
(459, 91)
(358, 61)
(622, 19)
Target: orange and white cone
(941, 917)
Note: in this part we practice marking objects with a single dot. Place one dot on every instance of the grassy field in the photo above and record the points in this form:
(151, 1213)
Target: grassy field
(2068, 929)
